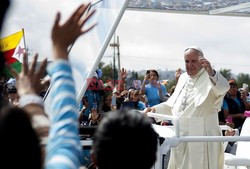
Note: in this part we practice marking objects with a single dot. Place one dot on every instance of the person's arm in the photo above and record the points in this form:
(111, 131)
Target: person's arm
(121, 82)
(213, 75)
(29, 86)
(146, 78)
(162, 92)
(64, 118)
(64, 148)
(141, 105)
(220, 84)
(177, 75)
(243, 96)
(225, 109)
(84, 108)
(227, 113)
(162, 108)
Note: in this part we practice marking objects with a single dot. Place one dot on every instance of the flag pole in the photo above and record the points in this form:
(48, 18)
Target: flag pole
(24, 41)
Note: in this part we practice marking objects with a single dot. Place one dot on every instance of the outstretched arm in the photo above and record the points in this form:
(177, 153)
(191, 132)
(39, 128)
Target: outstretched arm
(146, 78)
(121, 82)
(207, 66)
(64, 147)
(221, 85)
(29, 86)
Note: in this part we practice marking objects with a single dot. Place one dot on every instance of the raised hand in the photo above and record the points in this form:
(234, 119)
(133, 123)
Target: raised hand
(66, 34)
(177, 74)
(158, 85)
(124, 93)
(207, 66)
(29, 85)
(29, 80)
(123, 73)
(146, 77)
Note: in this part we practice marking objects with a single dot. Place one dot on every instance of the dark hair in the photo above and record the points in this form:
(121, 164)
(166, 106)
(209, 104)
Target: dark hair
(130, 92)
(136, 92)
(132, 87)
(2, 63)
(19, 143)
(155, 71)
(125, 140)
(3, 9)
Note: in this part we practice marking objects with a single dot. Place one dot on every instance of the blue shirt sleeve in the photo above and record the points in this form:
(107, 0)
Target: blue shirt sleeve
(225, 106)
(164, 90)
(64, 148)
(141, 105)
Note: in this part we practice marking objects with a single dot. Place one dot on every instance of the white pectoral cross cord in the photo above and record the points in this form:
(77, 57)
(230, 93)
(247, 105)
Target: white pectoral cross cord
(187, 89)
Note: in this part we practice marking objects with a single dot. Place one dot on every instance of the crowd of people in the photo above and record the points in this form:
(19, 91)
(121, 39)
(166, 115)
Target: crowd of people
(202, 99)
(30, 138)
(97, 101)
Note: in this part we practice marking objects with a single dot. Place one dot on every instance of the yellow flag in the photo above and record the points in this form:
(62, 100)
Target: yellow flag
(11, 41)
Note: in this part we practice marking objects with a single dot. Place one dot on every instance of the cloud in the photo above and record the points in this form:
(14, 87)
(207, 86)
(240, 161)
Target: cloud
(163, 37)
(147, 39)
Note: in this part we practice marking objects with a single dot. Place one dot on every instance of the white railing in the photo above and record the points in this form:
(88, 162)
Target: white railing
(198, 138)
(173, 141)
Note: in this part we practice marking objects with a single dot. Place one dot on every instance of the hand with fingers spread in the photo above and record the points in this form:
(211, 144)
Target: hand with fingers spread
(123, 74)
(28, 81)
(29, 85)
(206, 65)
(66, 34)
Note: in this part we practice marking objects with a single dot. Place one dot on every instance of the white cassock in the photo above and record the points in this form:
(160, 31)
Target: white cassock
(196, 101)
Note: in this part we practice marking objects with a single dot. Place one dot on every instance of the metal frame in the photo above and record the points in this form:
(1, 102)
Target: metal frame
(175, 140)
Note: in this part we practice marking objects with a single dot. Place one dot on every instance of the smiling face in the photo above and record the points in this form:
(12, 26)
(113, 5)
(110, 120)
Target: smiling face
(135, 96)
(153, 76)
(193, 66)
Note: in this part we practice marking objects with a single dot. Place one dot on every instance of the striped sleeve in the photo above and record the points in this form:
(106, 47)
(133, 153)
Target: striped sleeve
(63, 148)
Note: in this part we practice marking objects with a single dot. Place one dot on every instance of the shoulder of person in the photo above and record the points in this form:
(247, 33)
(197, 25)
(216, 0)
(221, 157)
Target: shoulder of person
(163, 86)
(183, 77)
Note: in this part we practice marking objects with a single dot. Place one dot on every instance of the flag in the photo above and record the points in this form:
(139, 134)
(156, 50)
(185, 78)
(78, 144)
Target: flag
(12, 50)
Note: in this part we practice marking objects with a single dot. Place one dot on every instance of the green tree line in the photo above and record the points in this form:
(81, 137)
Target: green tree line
(108, 74)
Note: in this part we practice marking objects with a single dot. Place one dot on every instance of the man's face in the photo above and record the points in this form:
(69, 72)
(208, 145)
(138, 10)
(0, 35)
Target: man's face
(193, 66)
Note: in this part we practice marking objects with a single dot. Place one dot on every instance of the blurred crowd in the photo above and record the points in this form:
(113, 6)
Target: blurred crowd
(34, 138)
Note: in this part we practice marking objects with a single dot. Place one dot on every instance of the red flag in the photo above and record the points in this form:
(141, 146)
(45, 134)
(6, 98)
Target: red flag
(8, 46)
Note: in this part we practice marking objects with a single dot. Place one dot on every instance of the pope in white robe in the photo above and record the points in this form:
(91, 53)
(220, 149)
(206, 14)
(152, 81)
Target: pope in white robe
(196, 101)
